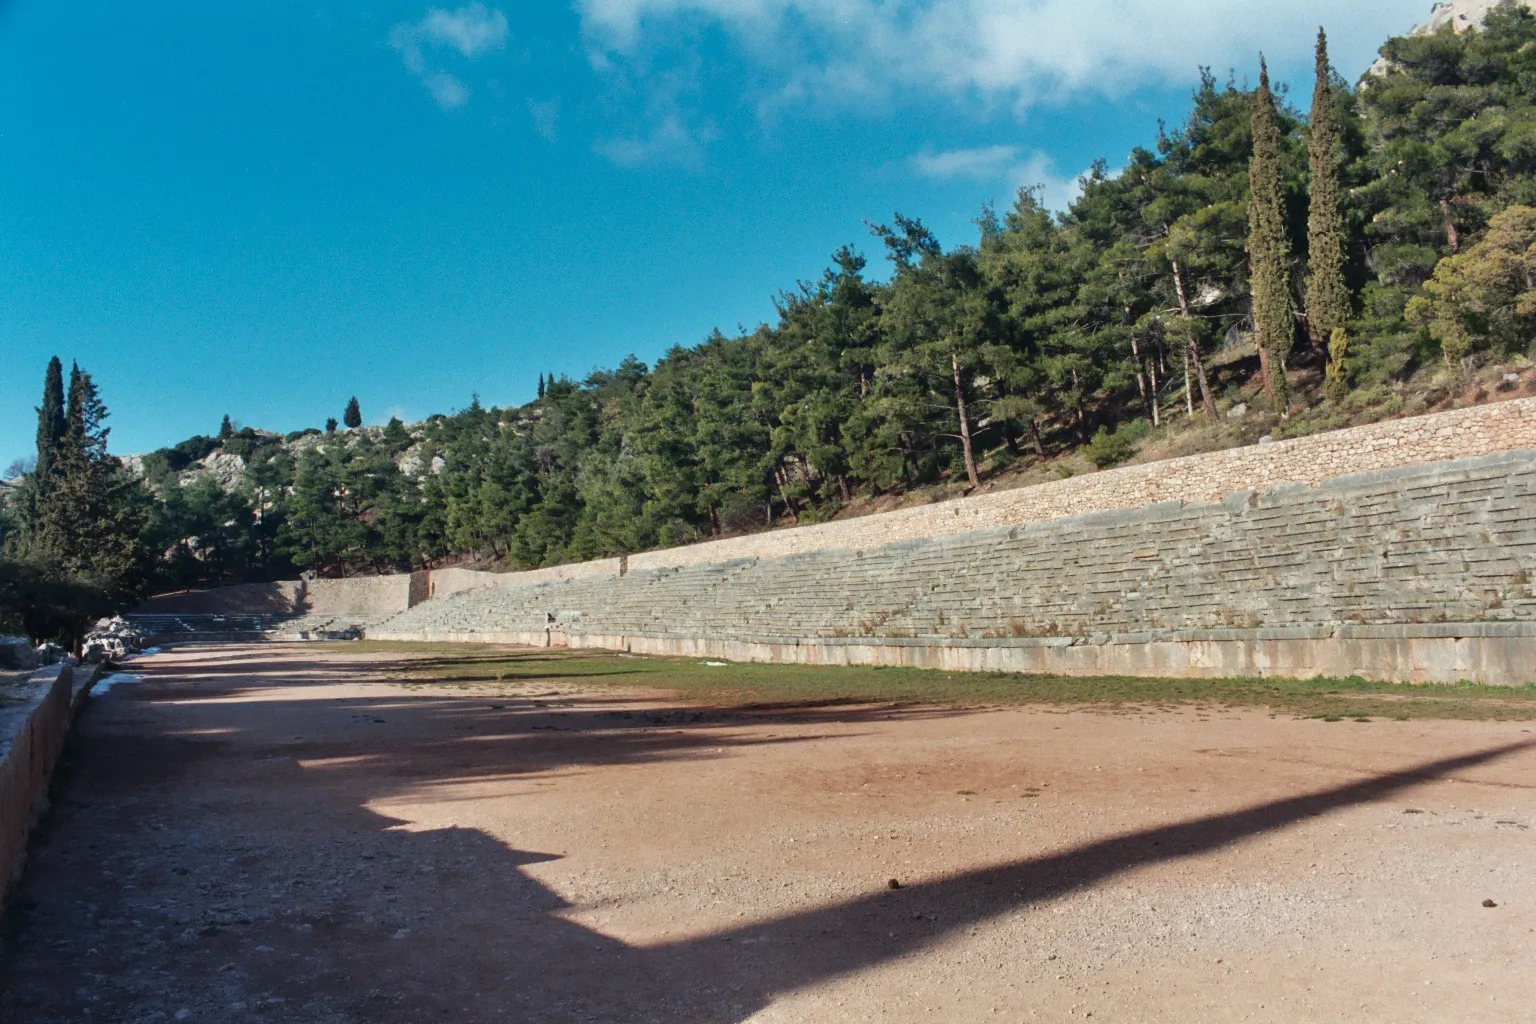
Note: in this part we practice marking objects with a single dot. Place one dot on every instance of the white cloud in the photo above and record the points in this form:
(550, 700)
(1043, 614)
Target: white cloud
(546, 117)
(1008, 164)
(449, 92)
(668, 142)
(1011, 51)
(983, 163)
(472, 31)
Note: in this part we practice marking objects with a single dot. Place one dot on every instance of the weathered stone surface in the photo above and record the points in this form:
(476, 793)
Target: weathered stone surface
(35, 715)
(1441, 556)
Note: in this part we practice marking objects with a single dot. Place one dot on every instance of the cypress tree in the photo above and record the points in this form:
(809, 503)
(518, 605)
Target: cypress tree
(50, 420)
(91, 519)
(226, 428)
(1328, 304)
(353, 416)
(1269, 253)
(541, 384)
(74, 412)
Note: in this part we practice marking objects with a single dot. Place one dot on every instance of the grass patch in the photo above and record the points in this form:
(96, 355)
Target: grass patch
(691, 680)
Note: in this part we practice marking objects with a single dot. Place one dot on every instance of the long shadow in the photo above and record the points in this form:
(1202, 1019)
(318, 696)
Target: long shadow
(726, 977)
(891, 924)
(510, 953)
(504, 949)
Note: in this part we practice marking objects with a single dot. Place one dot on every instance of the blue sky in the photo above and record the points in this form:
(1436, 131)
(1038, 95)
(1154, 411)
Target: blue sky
(262, 209)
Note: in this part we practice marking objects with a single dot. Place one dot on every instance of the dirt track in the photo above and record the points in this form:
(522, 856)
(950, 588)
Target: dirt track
(282, 834)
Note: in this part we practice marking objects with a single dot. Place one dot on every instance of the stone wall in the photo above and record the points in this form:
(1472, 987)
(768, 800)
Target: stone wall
(34, 720)
(1416, 573)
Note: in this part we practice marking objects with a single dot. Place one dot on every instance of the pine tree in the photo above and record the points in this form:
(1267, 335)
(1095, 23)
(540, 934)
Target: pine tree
(395, 435)
(226, 428)
(50, 421)
(1328, 300)
(85, 430)
(330, 425)
(353, 416)
(1269, 253)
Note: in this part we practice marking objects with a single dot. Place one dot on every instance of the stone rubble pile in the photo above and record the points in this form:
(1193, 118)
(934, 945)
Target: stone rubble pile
(112, 638)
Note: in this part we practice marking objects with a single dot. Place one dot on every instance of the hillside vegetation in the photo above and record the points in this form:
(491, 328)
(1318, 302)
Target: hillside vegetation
(1254, 270)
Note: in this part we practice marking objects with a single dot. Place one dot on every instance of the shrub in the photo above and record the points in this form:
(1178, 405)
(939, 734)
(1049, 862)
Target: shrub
(1106, 449)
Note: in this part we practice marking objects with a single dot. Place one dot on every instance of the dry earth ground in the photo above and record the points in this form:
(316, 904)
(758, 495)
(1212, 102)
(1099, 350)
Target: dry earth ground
(285, 833)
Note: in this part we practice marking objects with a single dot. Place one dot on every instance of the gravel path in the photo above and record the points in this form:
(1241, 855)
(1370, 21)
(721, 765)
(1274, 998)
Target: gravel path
(281, 833)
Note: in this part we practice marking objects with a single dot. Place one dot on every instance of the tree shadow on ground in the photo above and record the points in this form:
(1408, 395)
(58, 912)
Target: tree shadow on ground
(559, 970)
(400, 923)
(509, 950)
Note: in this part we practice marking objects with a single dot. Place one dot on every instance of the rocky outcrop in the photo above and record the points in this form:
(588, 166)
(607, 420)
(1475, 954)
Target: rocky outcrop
(1460, 15)
(228, 469)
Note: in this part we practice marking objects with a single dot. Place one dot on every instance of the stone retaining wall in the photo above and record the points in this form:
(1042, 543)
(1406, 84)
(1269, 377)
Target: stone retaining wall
(34, 720)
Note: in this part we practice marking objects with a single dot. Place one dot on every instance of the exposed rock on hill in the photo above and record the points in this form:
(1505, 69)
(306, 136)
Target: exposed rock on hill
(227, 467)
(1460, 15)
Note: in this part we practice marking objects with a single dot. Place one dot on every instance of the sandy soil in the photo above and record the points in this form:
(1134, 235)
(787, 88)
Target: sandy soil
(281, 834)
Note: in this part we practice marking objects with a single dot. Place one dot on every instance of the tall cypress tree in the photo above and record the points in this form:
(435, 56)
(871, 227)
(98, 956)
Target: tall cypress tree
(1269, 252)
(50, 421)
(1328, 304)
(353, 415)
(91, 518)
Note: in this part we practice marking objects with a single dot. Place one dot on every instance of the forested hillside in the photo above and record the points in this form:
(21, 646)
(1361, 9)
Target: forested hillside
(1255, 269)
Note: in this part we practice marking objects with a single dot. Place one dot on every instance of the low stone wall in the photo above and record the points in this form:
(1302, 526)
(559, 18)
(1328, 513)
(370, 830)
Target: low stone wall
(1402, 654)
(34, 719)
